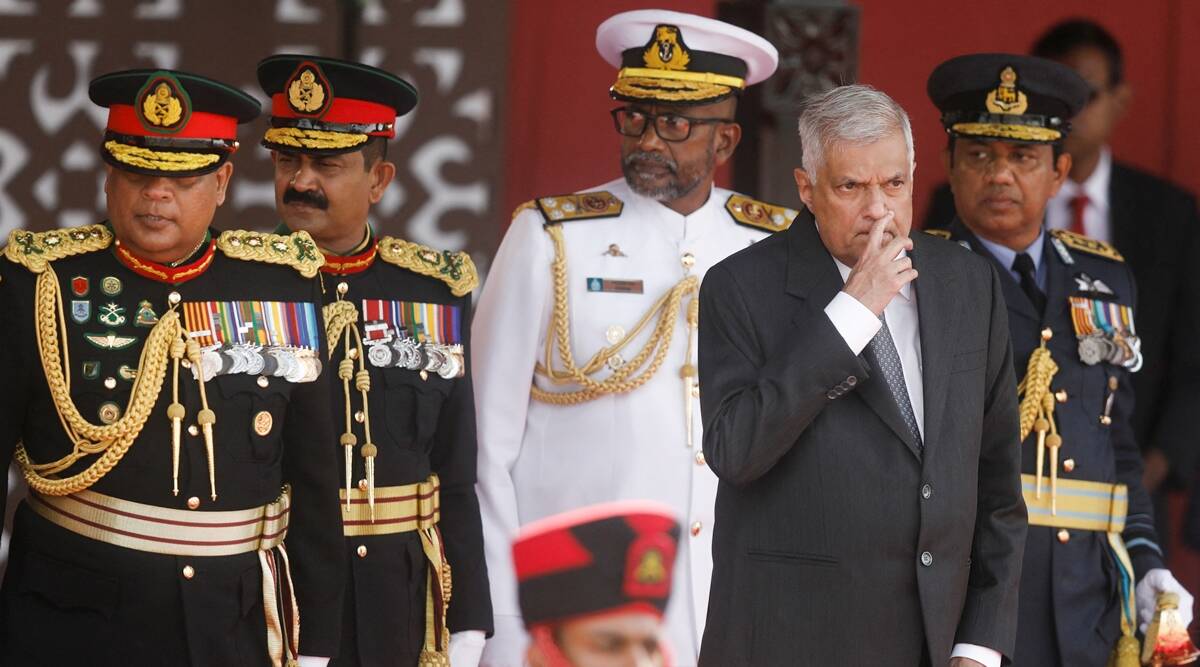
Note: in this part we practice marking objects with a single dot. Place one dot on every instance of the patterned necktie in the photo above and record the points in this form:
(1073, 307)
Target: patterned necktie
(887, 360)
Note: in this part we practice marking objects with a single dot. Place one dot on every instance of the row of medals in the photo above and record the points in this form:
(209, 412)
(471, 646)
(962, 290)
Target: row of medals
(294, 364)
(1118, 349)
(400, 350)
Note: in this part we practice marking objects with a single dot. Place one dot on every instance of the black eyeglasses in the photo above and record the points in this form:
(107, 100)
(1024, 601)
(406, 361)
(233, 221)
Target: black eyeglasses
(668, 126)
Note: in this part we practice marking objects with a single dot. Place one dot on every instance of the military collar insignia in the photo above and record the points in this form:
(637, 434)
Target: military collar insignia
(308, 91)
(666, 49)
(943, 234)
(1007, 98)
(163, 106)
(453, 268)
(582, 206)
(759, 215)
(296, 250)
(161, 272)
(342, 265)
(1085, 244)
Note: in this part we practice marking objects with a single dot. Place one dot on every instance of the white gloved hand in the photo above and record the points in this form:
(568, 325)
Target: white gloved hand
(507, 647)
(310, 661)
(466, 648)
(1160, 580)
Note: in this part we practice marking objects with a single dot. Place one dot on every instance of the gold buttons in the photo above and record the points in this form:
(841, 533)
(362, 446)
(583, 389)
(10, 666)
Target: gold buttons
(1047, 334)
(362, 485)
(615, 362)
(1064, 535)
(109, 412)
(424, 375)
(1069, 465)
(614, 334)
(361, 551)
(696, 528)
(342, 288)
(359, 416)
(1106, 420)
(688, 260)
(193, 502)
(1061, 395)
(700, 458)
(174, 298)
(263, 381)
(110, 383)
(185, 363)
(263, 421)
(193, 430)
(188, 571)
(353, 353)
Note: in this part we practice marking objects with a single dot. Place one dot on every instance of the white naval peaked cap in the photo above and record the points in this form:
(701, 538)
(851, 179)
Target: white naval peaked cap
(681, 58)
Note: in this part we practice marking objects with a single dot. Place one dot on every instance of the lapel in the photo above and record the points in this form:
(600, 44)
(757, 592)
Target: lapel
(1014, 296)
(938, 316)
(813, 278)
(1123, 215)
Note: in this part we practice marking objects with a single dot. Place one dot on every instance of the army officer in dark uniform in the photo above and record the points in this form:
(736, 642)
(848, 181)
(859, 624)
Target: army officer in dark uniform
(397, 315)
(163, 396)
(1072, 311)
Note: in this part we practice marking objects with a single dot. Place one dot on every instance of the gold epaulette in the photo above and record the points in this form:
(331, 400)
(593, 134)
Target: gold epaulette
(527, 206)
(1088, 245)
(582, 206)
(296, 250)
(940, 233)
(760, 215)
(35, 250)
(453, 268)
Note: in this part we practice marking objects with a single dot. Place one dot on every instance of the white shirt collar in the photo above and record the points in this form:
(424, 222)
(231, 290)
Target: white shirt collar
(1095, 186)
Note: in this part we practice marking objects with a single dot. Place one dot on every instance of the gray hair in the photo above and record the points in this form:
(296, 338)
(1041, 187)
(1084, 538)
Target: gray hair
(857, 114)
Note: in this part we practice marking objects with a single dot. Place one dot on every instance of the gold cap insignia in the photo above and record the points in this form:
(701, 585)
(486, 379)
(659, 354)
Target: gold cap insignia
(651, 569)
(1006, 98)
(666, 49)
(308, 91)
(162, 105)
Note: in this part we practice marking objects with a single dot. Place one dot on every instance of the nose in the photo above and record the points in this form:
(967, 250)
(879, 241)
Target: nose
(650, 141)
(158, 189)
(305, 177)
(1000, 172)
(642, 658)
(876, 203)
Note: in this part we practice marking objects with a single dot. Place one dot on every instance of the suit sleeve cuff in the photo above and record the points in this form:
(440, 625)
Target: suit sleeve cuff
(854, 321)
(981, 654)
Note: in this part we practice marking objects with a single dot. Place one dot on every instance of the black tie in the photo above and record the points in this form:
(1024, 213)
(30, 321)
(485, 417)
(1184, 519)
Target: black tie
(1023, 265)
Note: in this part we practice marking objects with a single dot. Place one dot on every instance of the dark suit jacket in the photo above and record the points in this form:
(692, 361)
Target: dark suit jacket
(1154, 225)
(826, 505)
(1069, 613)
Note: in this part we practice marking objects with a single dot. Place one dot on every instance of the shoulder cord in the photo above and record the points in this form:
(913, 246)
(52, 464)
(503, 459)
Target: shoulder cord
(341, 318)
(666, 307)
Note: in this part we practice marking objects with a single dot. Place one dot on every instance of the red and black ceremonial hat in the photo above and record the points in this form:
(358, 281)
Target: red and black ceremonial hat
(169, 123)
(327, 106)
(598, 560)
(1001, 96)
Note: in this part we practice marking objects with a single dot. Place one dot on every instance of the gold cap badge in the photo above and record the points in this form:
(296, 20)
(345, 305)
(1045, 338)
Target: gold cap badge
(1006, 98)
(651, 569)
(666, 49)
(162, 105)
(308, 91)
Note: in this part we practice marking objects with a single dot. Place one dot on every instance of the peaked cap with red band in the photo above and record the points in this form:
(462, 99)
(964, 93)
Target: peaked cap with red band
(604, 559)
(327, 106)
(169, 123)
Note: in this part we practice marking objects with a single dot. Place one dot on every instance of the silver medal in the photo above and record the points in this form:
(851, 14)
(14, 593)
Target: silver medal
(381, 355)
(1091, 349)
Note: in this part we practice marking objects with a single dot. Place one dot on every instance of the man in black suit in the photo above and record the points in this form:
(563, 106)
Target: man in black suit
(1072, 312)
(860, 410)
(1153, 224)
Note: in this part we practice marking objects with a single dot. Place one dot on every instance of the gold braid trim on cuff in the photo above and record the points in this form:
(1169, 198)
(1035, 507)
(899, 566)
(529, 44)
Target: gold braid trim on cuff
(313, 139)
(145, 158)
(623, 379)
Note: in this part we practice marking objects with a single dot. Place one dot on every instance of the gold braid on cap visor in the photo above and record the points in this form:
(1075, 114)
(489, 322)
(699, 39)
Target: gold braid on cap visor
(295, 137)
(146, 158)
(672, 86)
(1007, 131)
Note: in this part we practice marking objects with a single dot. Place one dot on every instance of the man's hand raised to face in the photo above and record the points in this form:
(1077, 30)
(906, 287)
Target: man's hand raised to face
(879, 273)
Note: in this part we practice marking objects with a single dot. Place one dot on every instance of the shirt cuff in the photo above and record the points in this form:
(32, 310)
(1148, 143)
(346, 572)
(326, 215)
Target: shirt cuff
(854, 321)
(981, 654)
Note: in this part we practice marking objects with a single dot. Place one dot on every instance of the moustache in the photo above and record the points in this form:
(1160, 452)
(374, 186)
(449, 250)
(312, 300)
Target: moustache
(314, 199)
(643, 157)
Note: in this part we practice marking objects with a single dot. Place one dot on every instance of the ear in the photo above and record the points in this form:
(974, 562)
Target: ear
(223, 174)
(533, 657)
(728, 136)
(108, 172)
(1122, 95)
(382, 173)
(804, 186)
(946, 159)
(1062, 167)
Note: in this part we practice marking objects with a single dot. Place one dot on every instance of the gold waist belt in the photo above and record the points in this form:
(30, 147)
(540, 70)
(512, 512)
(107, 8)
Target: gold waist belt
(398, 509)
(172, 532)
(404, 509)
(1081, 505)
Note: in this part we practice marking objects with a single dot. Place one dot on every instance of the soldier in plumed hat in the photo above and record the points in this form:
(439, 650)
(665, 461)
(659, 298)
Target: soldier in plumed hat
(163, 396)
(1092, 567)
(396, 315)
(585, 358)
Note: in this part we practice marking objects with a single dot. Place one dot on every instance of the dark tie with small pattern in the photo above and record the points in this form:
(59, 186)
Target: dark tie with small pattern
(887, 360)
(1023, 265)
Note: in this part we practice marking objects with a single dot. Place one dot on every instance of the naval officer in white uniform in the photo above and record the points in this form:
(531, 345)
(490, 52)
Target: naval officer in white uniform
(584, 338)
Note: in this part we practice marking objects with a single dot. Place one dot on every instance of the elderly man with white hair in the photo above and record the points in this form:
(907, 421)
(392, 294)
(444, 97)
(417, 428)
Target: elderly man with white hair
(860, 410)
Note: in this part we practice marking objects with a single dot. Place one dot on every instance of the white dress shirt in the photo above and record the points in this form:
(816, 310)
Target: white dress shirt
(1095, 216)
(858, 325)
